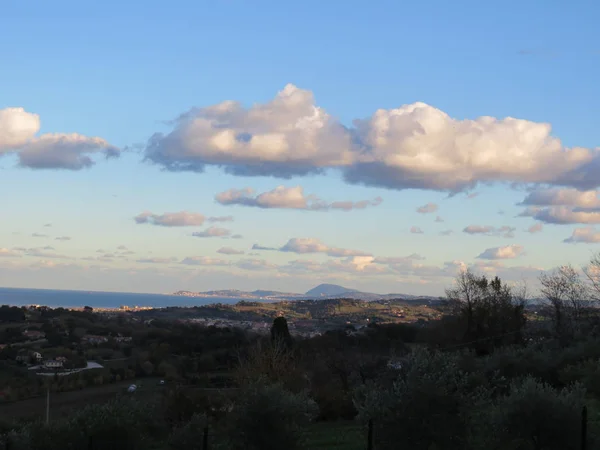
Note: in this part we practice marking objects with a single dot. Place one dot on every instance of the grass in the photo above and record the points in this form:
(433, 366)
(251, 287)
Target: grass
(337, 436)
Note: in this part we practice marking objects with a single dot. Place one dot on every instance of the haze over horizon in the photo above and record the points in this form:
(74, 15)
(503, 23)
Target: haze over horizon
(154, 147)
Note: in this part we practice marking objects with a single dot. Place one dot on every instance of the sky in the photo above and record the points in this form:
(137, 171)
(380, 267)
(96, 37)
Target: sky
(226, 144)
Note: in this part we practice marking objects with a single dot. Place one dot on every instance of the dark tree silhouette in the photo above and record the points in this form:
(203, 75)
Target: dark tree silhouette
(280, 332)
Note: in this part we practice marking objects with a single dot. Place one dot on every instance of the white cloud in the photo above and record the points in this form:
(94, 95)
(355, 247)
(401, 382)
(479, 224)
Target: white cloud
(504, 231)
(312, 245)
(171, 219)
(18, 130)
(288, 198)
(413, 146)
(230, 251)
(416, 230)
(588, 235)
(428, 208)
(212, 232)
(506, 252)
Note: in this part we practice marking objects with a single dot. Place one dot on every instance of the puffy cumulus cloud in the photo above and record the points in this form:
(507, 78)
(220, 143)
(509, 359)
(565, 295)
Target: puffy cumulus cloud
(18, 130)
(535, 228)
(171, 219)
(505, 252)
(416, 230)
(230, 251)
(428, 208)
(562, 197)
(504, 231)
(288, 198)
(203, 261)
(212, 232)
(587, 235)
(287, 136)
(562, 215)
(413, 146)
(312, 245)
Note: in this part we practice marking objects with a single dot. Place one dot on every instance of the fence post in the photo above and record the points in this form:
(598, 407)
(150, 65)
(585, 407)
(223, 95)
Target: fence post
(370, 435)
(584, 428)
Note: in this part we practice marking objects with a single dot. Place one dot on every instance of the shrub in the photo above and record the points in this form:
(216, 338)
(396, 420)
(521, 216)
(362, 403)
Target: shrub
(426, 405)
(267, 417)
(532, 416)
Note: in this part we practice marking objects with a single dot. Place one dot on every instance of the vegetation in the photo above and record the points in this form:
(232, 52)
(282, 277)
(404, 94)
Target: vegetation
(484, 371)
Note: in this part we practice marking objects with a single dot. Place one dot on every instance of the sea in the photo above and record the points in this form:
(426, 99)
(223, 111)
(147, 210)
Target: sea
(77, 299)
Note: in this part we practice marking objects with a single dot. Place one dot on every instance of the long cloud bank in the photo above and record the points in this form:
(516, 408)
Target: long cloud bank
(414, 146)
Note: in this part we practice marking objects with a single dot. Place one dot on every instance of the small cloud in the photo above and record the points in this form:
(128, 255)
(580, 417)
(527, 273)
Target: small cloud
(506, 252)
(439, 219)
(428, 208)
(156, 260)
(212, 232)
(312, 245)
(121, 247)
(416, 230)
(446, 232)
(262, 247)
(237, 236)
(587, 235)
(535, 228)
(220, 219)
(283, 197)
(255, 264)
(472, 195)
(203, 261)
(47, 225)
(174, 219)
(62, 238)
(39, 235)
(504, 231)
(6, 253)
(230, 251)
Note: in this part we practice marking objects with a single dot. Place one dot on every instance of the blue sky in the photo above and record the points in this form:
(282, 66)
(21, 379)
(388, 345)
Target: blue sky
(377, 103)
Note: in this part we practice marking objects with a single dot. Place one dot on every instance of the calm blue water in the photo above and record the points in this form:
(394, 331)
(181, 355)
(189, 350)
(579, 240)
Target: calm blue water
(72, 299)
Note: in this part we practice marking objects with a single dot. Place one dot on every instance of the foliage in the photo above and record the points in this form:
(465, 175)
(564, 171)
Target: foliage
(425, 405)
(268, 417)
(532, 416)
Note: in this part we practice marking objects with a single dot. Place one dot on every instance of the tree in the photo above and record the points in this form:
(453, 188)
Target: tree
(280, 332)
(567, 296)
(492, 312)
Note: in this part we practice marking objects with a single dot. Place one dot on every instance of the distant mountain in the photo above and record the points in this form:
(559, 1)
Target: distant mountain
(321, 292)
(328, 290)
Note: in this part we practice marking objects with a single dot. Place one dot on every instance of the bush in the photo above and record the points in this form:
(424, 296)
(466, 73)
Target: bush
(267, 417)
(426, 405)
(532, 416)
